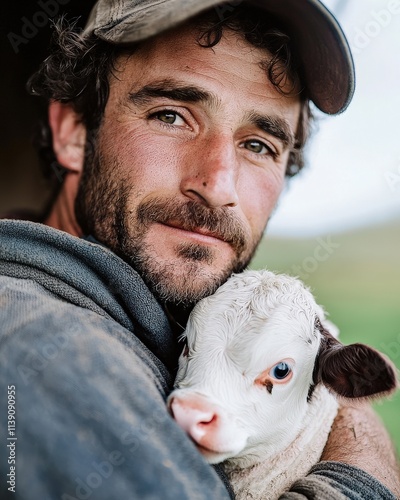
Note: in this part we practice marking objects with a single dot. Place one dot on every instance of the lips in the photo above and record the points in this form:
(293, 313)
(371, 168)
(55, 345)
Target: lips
(197, 230)
(218, 223)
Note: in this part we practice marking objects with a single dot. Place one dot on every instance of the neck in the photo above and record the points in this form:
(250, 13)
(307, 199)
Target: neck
(62, 214)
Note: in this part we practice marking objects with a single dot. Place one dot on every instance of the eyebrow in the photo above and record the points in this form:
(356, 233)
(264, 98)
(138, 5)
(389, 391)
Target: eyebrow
(275, 126)
(174, 90)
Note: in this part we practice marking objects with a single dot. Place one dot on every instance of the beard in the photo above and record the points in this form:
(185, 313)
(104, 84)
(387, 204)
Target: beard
(102, 210)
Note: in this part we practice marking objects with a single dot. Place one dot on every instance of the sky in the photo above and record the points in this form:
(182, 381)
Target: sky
(353, 173)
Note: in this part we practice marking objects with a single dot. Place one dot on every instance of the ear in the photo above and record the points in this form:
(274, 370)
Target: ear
(69, 136)
(353, 371)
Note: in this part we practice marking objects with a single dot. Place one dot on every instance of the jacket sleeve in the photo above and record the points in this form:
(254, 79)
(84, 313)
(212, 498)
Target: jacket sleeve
(91, 419)
(337, 481)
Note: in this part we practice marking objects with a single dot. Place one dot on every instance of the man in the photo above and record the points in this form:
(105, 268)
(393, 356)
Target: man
(175, 124)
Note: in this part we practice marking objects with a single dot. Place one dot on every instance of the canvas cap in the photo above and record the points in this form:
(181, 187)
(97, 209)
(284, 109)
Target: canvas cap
(322, 48)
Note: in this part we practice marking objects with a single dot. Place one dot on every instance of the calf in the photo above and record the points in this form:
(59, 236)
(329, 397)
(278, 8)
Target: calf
(257, 378)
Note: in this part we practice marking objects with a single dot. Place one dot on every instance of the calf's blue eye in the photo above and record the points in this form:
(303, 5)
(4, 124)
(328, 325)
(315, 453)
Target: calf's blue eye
(280, 371)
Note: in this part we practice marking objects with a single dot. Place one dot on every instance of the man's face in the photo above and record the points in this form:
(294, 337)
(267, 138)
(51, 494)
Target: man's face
(190, 161)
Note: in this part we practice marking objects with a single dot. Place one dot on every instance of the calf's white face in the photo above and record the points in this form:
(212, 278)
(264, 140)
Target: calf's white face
(250, 361)
(246, 371)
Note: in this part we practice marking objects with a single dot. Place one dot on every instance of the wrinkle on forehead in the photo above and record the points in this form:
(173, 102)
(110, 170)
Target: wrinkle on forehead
(232, 65)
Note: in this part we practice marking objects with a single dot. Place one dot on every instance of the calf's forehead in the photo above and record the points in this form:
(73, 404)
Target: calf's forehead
(248, 304)
(262, 343)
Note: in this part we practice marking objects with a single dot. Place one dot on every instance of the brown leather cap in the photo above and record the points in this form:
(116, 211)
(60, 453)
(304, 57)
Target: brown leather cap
(327, 64)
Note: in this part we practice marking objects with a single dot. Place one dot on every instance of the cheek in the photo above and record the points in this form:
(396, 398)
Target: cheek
(140, 155)
(259, 195)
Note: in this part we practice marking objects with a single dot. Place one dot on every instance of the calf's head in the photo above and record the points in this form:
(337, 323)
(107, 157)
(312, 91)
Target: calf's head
(254, 352)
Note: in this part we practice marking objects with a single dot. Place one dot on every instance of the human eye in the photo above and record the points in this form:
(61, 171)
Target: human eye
(168, 117)
(259, 148)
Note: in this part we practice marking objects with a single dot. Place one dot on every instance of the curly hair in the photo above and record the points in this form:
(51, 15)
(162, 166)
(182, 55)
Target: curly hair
(78, 70)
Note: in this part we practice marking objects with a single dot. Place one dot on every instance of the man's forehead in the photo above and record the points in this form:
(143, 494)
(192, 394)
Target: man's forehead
(177, 43)
(175, 62)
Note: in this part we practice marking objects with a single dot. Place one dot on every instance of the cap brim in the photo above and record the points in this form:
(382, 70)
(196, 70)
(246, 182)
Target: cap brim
(324, 53)
(328, 67)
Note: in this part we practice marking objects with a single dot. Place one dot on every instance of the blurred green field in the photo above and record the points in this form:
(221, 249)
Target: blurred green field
(356, 277)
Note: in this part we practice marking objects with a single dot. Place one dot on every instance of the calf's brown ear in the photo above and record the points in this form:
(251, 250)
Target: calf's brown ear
(353, 371)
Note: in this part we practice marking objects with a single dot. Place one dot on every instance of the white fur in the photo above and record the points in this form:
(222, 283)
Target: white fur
(266, 440)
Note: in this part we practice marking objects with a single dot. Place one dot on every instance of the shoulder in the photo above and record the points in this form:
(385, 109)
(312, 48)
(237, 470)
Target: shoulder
(40, 331)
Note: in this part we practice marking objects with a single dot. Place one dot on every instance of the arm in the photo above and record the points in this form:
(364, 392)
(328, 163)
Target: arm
(358, 462)
(358, 438)
(91, 418)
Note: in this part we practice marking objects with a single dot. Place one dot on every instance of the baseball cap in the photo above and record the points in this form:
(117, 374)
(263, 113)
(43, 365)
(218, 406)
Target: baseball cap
(322, 48)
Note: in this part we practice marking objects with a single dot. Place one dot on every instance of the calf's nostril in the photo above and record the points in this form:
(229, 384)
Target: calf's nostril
(212, 418)
(193, 419)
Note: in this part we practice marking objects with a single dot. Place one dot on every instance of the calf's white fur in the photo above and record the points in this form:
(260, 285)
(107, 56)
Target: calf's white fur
(255, 384)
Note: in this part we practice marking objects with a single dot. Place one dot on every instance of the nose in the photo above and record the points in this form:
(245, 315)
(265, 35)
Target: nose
(197, 418)
(211, 174)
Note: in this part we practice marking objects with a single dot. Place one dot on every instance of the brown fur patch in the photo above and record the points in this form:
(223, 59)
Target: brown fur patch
(352, 371)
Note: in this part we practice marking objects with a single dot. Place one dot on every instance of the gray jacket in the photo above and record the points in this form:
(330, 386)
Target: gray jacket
(91, 357)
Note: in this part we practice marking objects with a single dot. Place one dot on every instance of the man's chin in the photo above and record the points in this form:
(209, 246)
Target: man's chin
(178, 272)
(183, 282)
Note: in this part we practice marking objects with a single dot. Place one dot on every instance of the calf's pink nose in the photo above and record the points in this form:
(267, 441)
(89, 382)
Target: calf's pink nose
(195, 419)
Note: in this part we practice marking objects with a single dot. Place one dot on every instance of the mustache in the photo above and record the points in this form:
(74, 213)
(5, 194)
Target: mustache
(191, 215)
